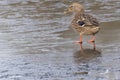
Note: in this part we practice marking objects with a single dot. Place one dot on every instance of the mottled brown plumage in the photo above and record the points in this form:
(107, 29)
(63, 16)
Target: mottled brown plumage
(90, 26)
(83, 23)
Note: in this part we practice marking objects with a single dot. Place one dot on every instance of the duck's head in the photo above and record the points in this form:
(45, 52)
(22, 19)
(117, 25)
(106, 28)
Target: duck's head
(75, 7)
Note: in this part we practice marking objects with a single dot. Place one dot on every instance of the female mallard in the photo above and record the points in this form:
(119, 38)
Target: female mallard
(83, 23)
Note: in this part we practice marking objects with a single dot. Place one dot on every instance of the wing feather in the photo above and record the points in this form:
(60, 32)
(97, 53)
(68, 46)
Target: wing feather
(90, 20)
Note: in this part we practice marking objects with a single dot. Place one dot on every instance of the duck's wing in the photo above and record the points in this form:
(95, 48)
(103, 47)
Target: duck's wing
(89, 20)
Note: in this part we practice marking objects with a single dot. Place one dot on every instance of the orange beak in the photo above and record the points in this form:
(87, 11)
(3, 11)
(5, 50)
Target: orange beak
(67, 11)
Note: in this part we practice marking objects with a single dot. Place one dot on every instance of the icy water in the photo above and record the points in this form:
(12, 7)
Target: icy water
(37, 43)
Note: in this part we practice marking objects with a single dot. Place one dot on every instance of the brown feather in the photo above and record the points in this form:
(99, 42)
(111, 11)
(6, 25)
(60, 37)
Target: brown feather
(90, 20)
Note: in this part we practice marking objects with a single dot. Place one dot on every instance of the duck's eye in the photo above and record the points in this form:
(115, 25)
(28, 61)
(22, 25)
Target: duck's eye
(71, 6)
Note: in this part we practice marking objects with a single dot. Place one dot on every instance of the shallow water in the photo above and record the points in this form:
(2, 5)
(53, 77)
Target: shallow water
(36, 42)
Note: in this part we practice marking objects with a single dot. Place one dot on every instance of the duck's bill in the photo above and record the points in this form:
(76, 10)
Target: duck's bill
(67, 11)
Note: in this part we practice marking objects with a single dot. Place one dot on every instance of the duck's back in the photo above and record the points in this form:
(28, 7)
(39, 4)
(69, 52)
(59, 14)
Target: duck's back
(89, 20)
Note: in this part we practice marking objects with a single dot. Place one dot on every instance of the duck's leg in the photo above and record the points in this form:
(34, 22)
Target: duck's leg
(93, 41)
(80, 42)
(94, 46)
(81, 46)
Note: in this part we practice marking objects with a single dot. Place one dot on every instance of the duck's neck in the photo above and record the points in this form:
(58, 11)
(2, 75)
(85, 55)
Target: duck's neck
(78, 14)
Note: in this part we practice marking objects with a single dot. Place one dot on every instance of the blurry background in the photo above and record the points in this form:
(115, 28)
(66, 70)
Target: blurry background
(37, 43)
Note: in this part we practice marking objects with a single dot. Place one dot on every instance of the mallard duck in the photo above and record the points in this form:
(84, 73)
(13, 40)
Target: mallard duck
(83, 23)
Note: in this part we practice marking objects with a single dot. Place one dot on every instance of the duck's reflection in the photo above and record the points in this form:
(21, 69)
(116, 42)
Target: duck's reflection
(86, 55)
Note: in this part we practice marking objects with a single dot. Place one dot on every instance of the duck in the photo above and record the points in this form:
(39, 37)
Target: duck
(83, 23)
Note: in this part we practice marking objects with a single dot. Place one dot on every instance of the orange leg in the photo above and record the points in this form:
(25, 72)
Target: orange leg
(94, 47)
(93, 42)
(81, 46)
(80, 40)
